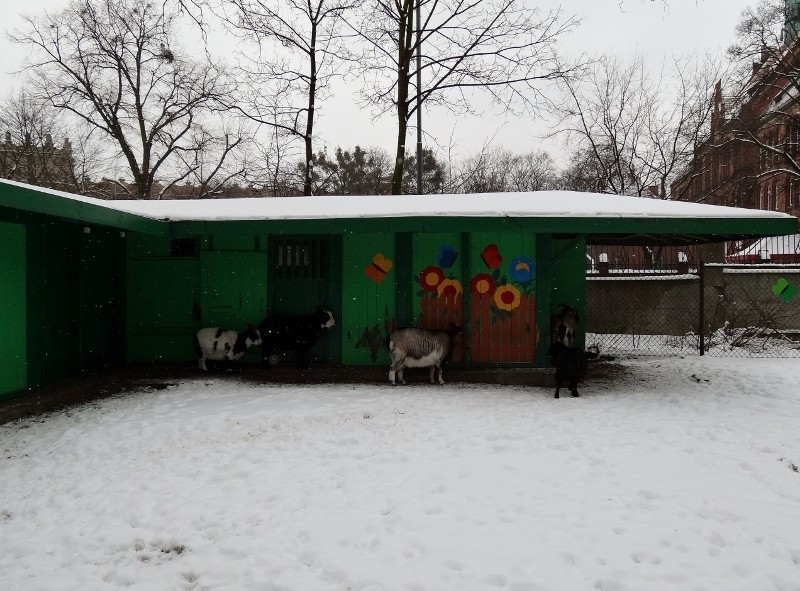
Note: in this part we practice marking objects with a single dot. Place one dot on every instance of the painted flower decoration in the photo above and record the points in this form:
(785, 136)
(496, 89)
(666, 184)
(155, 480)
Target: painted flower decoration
(491, 256)
(378, 268)
(507, 297)
(482, 284)
(430, 278)
(447, 256)
(784, 289)
(450, 288)
(521, 269)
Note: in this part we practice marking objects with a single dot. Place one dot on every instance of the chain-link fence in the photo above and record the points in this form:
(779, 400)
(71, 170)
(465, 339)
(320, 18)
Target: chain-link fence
(713, 309)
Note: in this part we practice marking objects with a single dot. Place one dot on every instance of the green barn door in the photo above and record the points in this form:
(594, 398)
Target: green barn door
(301, 273)
(233, 291)
(13, 310)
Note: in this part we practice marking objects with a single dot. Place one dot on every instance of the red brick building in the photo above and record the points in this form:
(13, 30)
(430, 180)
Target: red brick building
(752, 155)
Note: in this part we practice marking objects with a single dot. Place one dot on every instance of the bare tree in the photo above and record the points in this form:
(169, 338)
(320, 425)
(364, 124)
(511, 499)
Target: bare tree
(585, 172)
(273, 168)
(299, 50)
(640, 131)
(40, 148)
(498, 48)
(208, 165)
(606, 113)
(28, 153)
(112, 64)
(678, 122)
(760, 32)
(494, 170)
(534, 171)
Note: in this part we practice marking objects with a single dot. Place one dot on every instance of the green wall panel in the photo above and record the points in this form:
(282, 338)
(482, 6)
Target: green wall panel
(233, 290)
(163, 303)
(53, 302)
(13, 333)
(101, 269)
(145, 245)
(238, 242)
(569, 279)
(369, 296)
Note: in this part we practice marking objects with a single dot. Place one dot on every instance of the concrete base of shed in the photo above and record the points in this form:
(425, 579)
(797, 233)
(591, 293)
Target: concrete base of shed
(160, 376)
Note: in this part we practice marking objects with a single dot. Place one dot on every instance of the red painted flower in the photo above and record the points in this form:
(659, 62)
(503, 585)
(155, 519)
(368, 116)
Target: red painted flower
(430, 278)
(482, 284)
(450, 288)
(491, 256)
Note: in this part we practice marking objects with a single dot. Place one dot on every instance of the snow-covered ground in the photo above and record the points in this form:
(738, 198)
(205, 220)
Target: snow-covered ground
(678, 474)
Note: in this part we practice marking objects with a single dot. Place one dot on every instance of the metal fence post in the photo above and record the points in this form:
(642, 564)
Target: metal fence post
(702, 270)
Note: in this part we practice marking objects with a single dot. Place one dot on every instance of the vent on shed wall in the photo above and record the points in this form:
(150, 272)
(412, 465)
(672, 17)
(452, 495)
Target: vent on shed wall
(300, 258)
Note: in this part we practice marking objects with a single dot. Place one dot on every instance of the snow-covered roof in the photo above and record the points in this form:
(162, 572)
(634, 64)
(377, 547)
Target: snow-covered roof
(517, 205)
(601, 218)
(533, 204)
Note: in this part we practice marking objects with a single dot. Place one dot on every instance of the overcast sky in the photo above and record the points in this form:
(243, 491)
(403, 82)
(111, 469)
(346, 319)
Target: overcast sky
(658, 29)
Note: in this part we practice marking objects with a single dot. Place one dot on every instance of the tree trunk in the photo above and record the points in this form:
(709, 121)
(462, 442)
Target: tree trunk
(406, 32)
(312, 93)
(399, 163)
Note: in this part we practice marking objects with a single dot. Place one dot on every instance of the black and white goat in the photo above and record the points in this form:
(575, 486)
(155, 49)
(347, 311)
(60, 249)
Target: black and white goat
(564, 326)
(218, 344)
(571, 365)
(293, 333)
(420, 347)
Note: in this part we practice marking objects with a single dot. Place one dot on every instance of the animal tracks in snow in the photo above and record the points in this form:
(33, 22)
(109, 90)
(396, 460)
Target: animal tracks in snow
(157, 551)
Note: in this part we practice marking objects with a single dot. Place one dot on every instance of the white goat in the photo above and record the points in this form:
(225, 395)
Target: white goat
(218, 344)
(419, 347)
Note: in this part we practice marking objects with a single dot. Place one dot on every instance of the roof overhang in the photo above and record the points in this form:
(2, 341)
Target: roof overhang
(64, 206)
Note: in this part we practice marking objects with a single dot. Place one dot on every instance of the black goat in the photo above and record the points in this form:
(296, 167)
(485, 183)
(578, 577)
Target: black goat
(293, 333)
(571, 365)
(564, 325)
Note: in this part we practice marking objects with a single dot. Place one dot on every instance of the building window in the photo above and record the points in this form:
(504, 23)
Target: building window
(794, 138)
(300, 258)
(771, 196)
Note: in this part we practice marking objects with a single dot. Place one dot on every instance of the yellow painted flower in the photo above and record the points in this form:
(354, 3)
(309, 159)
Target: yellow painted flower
(507, 297)
(482, 284)
(450, 288)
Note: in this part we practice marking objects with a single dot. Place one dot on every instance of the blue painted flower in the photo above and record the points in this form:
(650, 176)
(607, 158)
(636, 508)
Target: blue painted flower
(522, 269)
(447, 256)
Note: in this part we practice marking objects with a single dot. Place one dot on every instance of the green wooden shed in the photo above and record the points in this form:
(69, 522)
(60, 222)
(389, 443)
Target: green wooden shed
(87, 284)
